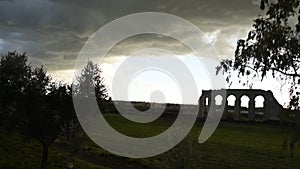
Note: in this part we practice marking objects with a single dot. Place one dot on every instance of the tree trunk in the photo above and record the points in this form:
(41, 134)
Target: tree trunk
(44, 156)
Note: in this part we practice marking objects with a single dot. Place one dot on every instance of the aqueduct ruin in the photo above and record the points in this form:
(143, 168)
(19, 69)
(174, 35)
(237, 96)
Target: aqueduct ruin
(217, 101)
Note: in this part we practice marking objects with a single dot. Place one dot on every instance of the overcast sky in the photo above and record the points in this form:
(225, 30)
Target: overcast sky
(52, 32)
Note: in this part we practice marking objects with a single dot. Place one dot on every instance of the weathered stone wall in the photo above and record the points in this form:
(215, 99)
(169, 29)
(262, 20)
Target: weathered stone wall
(271, 107)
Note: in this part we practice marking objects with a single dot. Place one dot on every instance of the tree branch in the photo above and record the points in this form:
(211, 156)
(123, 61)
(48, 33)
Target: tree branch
(285, 73)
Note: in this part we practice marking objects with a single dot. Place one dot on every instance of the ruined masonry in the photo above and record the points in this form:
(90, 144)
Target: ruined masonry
(270, 110)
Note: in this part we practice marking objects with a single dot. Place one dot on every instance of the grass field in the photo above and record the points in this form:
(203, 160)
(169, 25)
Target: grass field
(233, 145)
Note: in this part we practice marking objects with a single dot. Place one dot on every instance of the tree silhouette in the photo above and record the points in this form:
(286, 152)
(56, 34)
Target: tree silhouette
(90, 78)
(31, 103)
(89, 84)
(272, 46)
(14, 77)
(45, 107)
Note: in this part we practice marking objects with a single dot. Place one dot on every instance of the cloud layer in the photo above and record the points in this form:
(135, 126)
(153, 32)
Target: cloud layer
(52, 32)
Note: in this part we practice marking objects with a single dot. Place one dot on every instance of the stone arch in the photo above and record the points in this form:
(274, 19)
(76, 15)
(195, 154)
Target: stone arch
(244, 107)
(205, 105)
(259, 107)
(231, 102)
(218, 101)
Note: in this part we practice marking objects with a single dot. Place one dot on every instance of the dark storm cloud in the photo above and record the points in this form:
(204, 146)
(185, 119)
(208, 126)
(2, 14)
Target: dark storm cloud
(52, 32)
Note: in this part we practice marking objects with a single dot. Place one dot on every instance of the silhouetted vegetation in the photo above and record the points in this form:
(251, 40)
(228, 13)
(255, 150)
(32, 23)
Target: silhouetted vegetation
(36, 107)
(273, 46)
(39, 110)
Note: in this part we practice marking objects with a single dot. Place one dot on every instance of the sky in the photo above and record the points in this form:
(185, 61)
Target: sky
(53, 32)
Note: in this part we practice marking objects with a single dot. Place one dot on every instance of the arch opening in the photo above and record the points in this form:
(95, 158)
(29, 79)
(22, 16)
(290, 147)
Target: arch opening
(231, 99)
(259, 108)
(206, 101)
(218, 102)
(206, 105)
(244, 107)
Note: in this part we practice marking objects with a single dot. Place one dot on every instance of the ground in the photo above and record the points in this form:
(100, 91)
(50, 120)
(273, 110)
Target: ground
(233, 145)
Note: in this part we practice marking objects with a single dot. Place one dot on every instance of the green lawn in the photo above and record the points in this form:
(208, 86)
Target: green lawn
(233, 145)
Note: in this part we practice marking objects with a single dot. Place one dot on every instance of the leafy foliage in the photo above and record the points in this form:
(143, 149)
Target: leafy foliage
(90, 78)
(272, 46)
(31, 103)
(14, 77)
